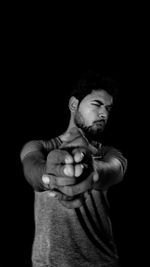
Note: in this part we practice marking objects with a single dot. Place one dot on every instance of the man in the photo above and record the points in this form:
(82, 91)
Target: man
(70, 175)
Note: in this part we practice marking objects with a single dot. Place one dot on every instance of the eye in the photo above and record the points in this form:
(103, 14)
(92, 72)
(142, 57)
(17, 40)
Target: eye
(96, 104)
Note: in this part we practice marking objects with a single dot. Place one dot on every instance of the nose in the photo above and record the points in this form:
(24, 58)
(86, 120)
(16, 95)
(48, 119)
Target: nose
(103, 113)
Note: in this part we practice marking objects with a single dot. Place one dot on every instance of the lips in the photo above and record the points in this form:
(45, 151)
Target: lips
(101, 122)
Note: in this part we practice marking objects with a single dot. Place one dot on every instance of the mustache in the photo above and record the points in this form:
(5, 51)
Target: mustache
(100, 120)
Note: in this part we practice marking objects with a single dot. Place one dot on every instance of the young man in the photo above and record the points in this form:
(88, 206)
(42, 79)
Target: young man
(70, 175)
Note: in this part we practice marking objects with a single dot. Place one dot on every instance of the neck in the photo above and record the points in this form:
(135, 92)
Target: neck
(66, 135)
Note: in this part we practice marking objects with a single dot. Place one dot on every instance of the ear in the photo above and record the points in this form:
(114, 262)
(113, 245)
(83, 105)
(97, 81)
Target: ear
(73, 103)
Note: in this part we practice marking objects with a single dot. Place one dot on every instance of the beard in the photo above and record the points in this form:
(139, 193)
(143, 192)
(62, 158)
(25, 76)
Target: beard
(92, 132)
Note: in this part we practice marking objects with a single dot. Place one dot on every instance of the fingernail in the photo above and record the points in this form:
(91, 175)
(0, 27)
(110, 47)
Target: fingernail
(82, 155)
(68, 160)
(67, 171)
(45, 179)
(95, 177)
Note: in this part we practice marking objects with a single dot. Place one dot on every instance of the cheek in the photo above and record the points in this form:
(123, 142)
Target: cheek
(88, 115)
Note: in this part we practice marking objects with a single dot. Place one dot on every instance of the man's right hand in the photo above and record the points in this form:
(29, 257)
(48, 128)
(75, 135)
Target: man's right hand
(62, 168)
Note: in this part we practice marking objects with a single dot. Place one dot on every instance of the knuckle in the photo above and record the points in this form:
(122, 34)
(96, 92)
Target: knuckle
(78, 156)
(68, 159)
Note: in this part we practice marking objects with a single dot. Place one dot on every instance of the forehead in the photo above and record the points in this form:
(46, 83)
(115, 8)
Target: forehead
(101, 95)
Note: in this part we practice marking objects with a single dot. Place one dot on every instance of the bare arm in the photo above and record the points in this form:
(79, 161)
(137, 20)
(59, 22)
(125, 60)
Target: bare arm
(33, 157)
(110, 170)
(33, 168)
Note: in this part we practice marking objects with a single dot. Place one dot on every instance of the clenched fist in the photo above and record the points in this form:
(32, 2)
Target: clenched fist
(64, 168)
(70, 170)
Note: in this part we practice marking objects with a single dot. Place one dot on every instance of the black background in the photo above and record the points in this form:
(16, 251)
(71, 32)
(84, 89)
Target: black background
(39, 74)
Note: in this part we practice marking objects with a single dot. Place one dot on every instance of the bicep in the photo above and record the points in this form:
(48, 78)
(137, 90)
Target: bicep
(37, 147)
(30, 148)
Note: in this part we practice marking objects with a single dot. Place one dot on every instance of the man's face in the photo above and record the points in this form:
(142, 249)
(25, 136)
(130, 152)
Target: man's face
(93, 111)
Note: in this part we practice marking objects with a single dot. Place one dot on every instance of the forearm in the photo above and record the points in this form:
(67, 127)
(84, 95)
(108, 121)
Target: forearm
(33, 157)
(108, 173)
(34, 168)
